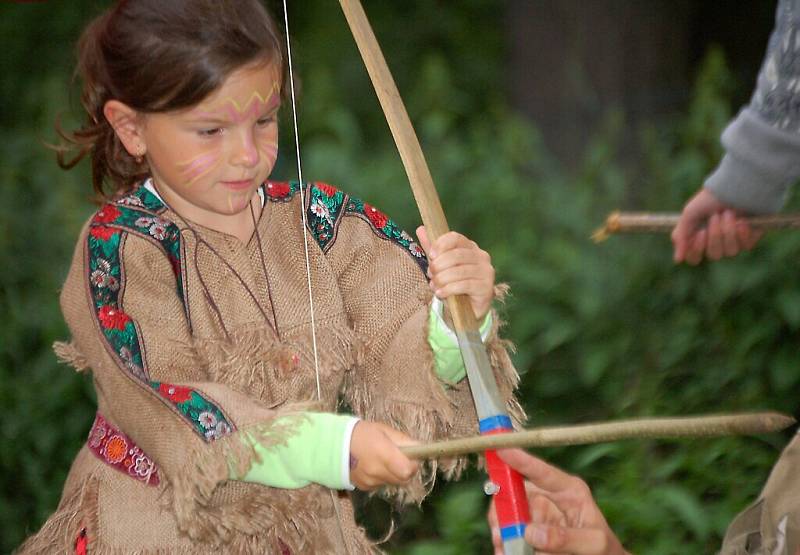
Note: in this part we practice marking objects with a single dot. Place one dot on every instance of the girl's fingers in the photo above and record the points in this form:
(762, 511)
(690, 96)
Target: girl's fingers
(380, 461)
(451, 240)
(446, 242)
(422, 235)
(480, 293)
(460, 256)
(401, 467)
(469, 275)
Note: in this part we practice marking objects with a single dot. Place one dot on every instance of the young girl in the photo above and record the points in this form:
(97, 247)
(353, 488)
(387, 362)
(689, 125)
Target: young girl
(189, 299)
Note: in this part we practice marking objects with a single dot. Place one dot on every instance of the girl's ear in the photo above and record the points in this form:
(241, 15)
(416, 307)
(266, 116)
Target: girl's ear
(126, 123)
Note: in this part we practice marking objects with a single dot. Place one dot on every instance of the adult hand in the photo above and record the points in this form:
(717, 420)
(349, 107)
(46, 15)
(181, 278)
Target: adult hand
(709, 228)
(458, 266)
(564, 516)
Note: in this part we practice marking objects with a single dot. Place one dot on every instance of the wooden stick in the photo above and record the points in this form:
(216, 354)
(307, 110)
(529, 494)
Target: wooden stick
(664, 222)
(646, 428)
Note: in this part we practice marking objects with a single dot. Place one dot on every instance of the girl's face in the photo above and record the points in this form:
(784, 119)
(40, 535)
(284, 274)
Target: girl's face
(209, 160)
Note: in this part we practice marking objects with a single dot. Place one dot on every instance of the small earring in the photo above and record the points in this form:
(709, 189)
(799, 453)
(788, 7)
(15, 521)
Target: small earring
(139, 155)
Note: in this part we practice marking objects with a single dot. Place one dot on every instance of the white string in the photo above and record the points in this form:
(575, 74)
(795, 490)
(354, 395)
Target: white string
(302, 199)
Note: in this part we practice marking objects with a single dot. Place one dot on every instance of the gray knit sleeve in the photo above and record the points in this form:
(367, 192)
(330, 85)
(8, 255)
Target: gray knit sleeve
(762, 144)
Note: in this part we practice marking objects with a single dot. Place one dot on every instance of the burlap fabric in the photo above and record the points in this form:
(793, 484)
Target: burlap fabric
(371, 305)
(771, 525)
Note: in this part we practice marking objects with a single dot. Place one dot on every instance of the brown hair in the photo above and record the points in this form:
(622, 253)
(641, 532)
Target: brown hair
(159, 56)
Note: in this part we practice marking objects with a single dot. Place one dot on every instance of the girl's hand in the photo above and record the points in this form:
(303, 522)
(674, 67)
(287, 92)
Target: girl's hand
(458, 266)
(375, 459)
(711, 229)
(564, 516)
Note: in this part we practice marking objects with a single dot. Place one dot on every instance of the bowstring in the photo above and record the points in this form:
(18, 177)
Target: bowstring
(302, 200)
(334, 499)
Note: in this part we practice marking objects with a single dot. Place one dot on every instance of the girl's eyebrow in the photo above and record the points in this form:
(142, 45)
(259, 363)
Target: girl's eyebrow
(207, 118)
(230, 110)
(219, 119)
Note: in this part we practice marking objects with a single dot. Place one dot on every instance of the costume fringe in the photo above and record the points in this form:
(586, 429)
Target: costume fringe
(437, 420)
(261, 524)
(253, 360)
(76, 510)
(69, 354)
(191, 489)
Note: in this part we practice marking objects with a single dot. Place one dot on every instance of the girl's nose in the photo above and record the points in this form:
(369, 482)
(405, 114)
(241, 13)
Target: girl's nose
(245, 152)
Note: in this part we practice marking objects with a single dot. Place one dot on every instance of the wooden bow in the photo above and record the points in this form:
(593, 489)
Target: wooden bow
(507, 485)
(510, 499)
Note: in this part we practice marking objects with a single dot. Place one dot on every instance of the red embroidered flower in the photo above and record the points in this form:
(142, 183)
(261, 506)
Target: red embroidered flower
(112, 317)
(329, 190)
(277, 189)
(175, 393)
(102, 232)
(107, 214)
(377, 217)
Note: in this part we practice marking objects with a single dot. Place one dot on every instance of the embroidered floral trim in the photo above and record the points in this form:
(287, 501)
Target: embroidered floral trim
(324, 211)
(105, 275)
(119, 451)
(386, 228)
(119, 329)
(327, 205)
(133, 219)
(206, 417)
(281, 190)
(141, 197)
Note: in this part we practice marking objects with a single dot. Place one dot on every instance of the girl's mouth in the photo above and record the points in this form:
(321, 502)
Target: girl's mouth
(238, 185)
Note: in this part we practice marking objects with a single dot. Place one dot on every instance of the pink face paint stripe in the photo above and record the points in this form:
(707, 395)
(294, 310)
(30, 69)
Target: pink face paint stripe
(270, 150)
(200, 162)
(202, 171)
(199, 166)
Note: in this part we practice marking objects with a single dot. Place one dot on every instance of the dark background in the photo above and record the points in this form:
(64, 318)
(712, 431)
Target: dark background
(538, 117)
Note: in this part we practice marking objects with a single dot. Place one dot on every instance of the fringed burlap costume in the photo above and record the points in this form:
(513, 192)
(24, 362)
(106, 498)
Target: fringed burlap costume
(192, 337)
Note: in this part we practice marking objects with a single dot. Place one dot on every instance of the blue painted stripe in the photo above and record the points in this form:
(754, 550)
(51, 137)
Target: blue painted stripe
(497, 422)
(512, 532)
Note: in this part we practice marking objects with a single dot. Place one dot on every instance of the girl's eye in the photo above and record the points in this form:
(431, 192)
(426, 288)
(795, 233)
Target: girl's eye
(263, 122)
(210, 132)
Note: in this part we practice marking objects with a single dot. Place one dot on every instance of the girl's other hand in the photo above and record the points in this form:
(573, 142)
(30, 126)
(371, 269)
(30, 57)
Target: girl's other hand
(458, 266)
(708, 228)
(375, 459)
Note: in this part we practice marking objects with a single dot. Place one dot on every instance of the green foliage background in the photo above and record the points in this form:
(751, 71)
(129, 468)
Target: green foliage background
(603, 331)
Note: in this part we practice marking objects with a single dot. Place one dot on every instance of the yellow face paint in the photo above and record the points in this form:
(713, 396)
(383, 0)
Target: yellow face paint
(257, 105)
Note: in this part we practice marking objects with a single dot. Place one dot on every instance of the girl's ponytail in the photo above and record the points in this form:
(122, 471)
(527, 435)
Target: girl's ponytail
(96, 138)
